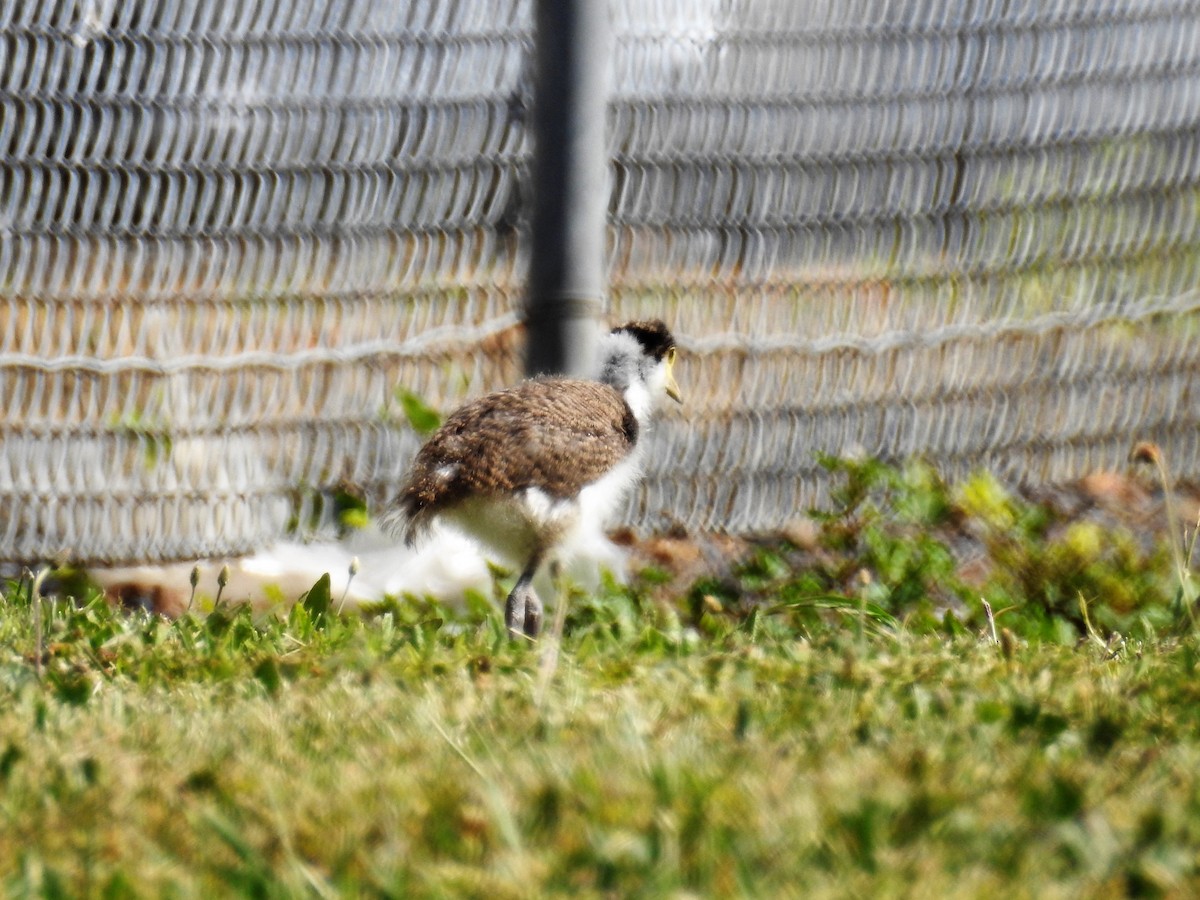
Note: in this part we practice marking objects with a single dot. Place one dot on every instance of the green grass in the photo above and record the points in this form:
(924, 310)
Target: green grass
(830, 722)
(413, 758)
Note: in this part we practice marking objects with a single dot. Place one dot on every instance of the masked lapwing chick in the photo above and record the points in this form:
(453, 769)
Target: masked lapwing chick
(524, 469)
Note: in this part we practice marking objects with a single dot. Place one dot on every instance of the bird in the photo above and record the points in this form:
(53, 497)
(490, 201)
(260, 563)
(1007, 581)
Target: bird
(523, 470)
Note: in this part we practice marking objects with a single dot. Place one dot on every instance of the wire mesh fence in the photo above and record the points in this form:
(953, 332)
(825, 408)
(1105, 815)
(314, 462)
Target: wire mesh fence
(232, 230)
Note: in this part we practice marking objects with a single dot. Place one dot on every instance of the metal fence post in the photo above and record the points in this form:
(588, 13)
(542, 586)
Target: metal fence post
(570, 185)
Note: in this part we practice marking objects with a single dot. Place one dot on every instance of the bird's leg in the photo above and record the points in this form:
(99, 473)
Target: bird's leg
(523, 609)
(533, 614)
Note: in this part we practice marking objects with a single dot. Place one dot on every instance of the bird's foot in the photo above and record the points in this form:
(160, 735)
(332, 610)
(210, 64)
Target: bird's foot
(523, 611)
(533, 617)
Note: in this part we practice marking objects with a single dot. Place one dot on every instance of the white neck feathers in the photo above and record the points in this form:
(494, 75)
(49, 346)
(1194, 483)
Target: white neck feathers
(625, 366)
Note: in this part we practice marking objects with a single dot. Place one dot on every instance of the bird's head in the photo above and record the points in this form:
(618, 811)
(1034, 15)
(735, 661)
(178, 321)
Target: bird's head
(637, 359)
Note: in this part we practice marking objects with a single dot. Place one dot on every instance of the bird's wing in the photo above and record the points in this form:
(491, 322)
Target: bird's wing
(555, 434)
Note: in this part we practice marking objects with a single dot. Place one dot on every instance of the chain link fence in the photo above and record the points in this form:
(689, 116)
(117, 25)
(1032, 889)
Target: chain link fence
(233, 232)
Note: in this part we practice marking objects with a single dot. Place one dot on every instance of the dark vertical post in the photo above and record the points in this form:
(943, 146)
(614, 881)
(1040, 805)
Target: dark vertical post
(570, 185)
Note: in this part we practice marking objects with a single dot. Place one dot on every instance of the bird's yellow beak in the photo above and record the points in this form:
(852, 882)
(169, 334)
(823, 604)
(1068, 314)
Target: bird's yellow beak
(672, 386)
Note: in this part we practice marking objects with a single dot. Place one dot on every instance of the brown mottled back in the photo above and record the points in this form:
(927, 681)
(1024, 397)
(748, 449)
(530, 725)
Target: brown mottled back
(551, 433)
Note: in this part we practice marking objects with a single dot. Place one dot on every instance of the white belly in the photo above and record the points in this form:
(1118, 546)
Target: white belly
(515, 527)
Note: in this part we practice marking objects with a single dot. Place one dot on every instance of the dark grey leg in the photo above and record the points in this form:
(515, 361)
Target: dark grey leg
(533, 615)
(523, 609)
